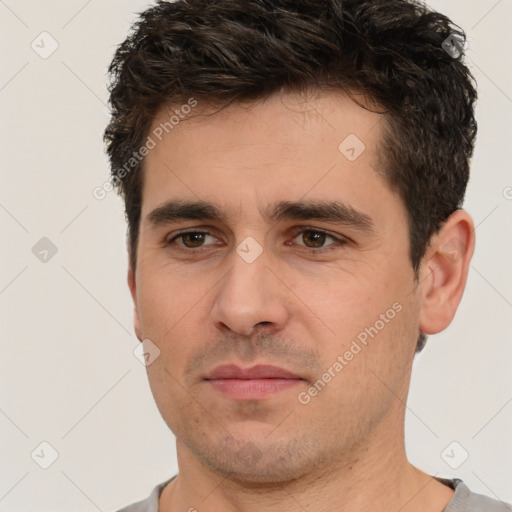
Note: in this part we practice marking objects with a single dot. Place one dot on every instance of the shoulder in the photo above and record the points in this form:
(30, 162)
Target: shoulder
(149, 504)
(464, 500)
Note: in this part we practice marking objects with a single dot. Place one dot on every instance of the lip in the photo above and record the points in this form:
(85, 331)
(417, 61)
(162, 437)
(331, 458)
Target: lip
(255, 383)
(260, 371)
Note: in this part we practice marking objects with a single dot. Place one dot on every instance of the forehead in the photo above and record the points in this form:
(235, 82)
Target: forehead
(323, 145)
(328, 115)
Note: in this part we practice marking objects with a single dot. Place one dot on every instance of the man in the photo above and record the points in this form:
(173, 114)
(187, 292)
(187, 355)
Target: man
(293, 174)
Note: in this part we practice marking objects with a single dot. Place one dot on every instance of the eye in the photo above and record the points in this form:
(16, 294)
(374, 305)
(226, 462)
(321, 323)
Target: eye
(309, 239)
(315, 239)
(191, 239)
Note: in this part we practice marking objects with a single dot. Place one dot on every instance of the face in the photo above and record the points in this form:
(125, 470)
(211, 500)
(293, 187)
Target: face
(293, 253)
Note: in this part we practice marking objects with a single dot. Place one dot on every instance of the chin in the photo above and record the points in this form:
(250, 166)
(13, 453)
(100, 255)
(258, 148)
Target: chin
(260, 463)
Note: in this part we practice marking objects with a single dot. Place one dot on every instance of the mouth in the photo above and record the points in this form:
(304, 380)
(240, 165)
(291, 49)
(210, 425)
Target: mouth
(255, 383)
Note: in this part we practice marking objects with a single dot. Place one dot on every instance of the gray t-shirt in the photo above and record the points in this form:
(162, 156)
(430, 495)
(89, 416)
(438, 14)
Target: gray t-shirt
(462, 501)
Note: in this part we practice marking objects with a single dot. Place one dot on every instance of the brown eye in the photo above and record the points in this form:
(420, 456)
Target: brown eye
(314, 239)
(191, 240)
(194, 239)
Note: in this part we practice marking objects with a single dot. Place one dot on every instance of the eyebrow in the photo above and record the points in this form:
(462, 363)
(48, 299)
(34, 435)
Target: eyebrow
(324, 210)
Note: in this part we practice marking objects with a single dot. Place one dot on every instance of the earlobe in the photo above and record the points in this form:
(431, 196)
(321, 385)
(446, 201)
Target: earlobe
(445, 271)
(133, 290)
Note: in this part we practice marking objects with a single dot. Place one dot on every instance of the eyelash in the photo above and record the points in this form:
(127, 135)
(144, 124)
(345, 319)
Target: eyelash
(338, 241)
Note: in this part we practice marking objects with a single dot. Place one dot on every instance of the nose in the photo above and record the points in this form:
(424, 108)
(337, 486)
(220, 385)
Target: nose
(249, 297)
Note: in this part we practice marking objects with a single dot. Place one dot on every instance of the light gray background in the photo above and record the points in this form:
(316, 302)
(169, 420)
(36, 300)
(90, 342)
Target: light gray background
(68, 373)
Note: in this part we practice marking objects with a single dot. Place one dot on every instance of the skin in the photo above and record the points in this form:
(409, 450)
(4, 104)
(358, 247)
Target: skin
(344, 450)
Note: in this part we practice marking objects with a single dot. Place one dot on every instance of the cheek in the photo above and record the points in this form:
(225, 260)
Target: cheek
(371, 363)
(369, 324)
(164, 297)
(162, 308)
(171, 396)
(344, 304)
(166, 307)
(173, 311)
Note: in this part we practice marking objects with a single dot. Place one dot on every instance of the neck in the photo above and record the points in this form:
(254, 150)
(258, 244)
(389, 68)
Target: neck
(375, 476)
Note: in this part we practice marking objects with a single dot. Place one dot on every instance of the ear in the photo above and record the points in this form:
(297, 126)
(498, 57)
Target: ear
(444, 271)
(133, 290)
